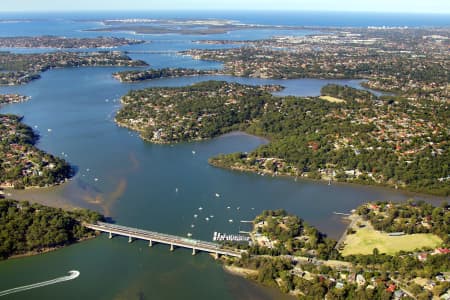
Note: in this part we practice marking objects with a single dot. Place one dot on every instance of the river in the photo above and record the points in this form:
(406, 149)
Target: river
(155, 187)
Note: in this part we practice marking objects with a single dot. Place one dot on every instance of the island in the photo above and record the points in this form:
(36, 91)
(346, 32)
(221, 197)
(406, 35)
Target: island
(56, 42)
(287, 253)
(23, 68)
(346, 134)
(27, 229)
(411, 62)
(181, 26)
(21, 163)
(149, 74)
(13, 98)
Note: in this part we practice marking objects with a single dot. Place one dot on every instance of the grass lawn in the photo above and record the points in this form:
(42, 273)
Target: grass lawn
(366, 239)
(332, 99)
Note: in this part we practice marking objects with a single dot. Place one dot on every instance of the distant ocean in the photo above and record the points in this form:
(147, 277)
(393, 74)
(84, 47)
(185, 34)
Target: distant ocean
(353, 19)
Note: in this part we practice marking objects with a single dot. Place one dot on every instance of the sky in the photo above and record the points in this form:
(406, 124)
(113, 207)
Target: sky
(405, 6)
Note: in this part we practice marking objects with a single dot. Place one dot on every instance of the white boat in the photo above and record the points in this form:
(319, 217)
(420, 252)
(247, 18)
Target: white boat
(217, 195)
(189, 234)
(200, 208)
(207, 219)
(230, 220)
(195, 216)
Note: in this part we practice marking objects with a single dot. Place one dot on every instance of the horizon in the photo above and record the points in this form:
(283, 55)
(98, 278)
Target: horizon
(255, 11)
(441, 7)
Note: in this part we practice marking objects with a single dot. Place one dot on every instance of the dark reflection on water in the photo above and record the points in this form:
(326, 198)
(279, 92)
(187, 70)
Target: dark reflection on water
(156, 187)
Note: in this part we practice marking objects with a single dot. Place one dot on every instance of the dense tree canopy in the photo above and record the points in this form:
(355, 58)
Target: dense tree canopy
(26, 227)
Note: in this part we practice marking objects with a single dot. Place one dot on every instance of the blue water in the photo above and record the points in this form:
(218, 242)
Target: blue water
(138, 181)
(292, 18)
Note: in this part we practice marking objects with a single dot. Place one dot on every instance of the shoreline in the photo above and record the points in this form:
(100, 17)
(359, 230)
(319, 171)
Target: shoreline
(238, 271)
(47, 250)
(118, 78)
(266, 140)
(430, 197)
(37, 187)
(39, 195)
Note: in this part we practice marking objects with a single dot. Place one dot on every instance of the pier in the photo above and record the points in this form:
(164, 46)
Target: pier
(162, 238)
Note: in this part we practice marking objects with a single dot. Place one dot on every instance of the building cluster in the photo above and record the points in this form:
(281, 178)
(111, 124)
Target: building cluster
(21, 163)
(346, 277)
(64, 42)
(170, 115)
(140, 75)
(404, 128)
(22, 68)
(410, 62)
(13, 98)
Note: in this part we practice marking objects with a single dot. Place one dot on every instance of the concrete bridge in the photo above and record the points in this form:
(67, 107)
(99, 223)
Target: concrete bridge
(156, 237)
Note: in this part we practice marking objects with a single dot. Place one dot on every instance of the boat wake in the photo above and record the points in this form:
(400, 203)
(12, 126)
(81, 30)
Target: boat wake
(72, 275)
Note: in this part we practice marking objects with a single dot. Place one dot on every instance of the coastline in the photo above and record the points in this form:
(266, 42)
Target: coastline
(238, 271)
(431, 197)
(163, 187)
(11, 187)
(118, 78)
(48, 196)
(286, 175)
(47, 250)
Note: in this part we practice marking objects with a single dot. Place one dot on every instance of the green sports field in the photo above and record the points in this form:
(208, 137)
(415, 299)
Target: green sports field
(366, 239)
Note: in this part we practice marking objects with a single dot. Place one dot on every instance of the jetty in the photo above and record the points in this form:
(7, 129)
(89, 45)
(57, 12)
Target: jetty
(230, 237)
(162, 238)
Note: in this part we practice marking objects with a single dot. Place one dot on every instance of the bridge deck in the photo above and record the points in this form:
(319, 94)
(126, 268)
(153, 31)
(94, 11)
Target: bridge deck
(163, 238)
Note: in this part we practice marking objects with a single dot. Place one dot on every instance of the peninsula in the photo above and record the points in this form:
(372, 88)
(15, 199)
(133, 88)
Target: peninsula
(198, 112)
(56, 42)
(185, 27)
(149, 74)
(287, 253)
(345, 135)
(27, 229)
(23, 68)
(21, 163)
(411, 62)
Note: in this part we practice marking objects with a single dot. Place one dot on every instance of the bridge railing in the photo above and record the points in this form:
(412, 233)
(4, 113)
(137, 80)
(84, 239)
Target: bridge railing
(164, 238)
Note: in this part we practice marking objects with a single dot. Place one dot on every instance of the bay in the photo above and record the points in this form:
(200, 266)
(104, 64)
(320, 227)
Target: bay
(155, 187)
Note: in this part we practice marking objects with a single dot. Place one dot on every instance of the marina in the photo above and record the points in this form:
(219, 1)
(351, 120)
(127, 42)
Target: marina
(218, 236)
(142, 185)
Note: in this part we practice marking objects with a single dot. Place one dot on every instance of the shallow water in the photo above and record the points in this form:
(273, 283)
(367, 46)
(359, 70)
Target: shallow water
(155, 187)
